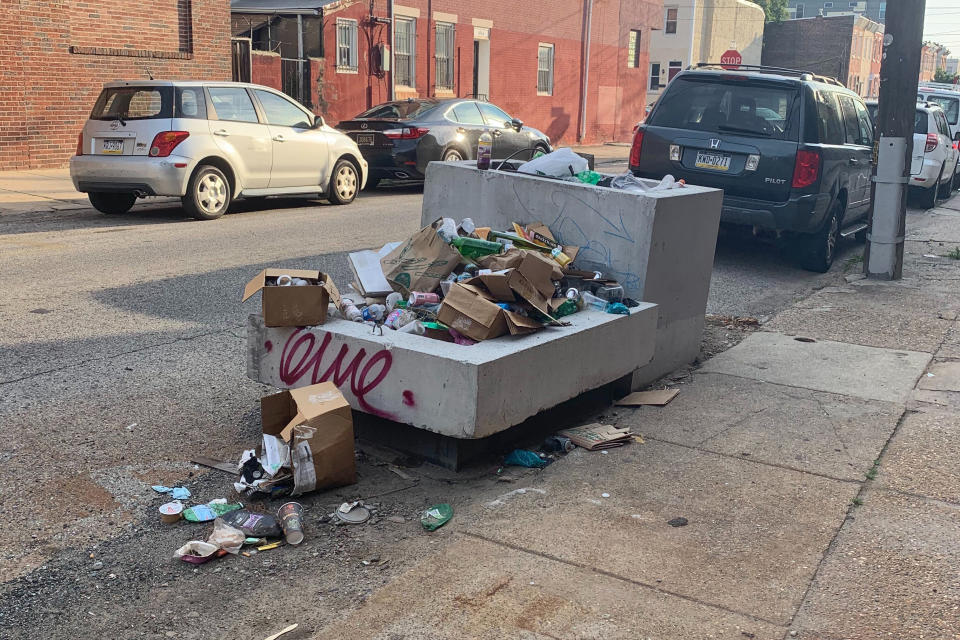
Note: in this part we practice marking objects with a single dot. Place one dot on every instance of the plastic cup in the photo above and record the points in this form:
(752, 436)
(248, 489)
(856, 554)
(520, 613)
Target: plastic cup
(291, 520)
(170, 512)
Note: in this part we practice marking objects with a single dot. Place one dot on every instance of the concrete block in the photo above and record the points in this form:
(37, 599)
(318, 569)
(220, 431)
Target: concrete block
(459, 391)
(660, 245)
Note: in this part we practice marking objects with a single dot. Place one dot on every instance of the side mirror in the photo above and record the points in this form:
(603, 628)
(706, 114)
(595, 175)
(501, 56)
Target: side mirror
(516, 124)
(956, 138)
(317, 122)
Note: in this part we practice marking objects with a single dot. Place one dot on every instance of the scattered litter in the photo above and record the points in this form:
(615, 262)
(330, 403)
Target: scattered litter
(282, 631)
(604, 495)
(658, 398)
(209, 511)
(524, 458)
(930, 375)
(257, 525)
(605, 452)
(131, 426)
(219, 465)
(502, 500)
(268, 547)
(369, 561)
(436, 516)
(678, 522)
(197, 552)
(804, 339)
(558, 444)
(930, 255)
(226, 536)
(171, 512)
(291, 521)
(397, 471)
(177, 493)
(598, 436)
(352, 513)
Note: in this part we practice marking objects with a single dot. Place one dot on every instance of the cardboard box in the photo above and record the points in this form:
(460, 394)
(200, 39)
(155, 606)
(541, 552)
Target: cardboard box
(317, 424)
(497, 284)
(421, 262)
(472, 315)
(540, 271)
(293, 306)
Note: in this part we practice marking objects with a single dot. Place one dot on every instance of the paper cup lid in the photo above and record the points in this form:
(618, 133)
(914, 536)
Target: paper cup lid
(355, 516)
(171, 508)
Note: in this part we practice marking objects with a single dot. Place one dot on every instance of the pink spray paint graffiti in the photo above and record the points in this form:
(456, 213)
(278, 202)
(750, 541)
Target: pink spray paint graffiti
(301, 355)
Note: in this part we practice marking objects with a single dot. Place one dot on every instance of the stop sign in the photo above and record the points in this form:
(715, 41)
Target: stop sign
(731, 59)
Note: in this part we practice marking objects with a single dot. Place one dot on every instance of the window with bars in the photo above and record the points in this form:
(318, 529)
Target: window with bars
(346, 45)
(545, 70)
(444, 55)
(633, 49)
(405, 51)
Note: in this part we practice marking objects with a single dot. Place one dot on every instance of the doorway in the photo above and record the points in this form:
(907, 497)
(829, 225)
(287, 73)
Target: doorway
(481, 63)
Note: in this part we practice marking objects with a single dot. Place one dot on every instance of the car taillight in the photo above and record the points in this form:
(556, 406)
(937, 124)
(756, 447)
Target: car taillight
(636, 148)
(806, 170)
(166, 141)
(407, 133)
(80, 144)
(932, 142)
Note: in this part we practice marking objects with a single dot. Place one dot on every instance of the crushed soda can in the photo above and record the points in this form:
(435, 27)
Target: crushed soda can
(558, 444)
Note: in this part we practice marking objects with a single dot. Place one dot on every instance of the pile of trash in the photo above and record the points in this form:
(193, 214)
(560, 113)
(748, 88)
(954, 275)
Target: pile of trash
(565, 164)
(462, 283)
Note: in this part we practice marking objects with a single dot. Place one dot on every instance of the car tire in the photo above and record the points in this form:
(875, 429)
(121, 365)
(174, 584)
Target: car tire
(344, 183)
(928, 197)
(944, 190)
(208, 194)
(819, 249)
(452, 155)
(112, 203)
(372, 183)
(540, 148)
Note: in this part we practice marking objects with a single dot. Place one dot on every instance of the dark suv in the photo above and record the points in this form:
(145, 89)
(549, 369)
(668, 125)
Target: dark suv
(791, 151)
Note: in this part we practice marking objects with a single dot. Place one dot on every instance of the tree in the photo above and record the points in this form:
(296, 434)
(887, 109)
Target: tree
(775, 10)
(942, 75)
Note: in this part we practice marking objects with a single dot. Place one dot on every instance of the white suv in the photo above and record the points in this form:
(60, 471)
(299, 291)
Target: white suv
(209, 143)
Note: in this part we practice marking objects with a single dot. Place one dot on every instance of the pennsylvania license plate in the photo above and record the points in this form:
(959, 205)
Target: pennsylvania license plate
(112, 145)
(365, 138)
(715, 161)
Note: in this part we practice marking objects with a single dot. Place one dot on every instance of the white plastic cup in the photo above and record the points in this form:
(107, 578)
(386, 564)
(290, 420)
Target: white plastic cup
(416, 327)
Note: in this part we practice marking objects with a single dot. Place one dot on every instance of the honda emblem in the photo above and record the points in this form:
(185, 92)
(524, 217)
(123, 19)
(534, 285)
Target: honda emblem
(714, 143)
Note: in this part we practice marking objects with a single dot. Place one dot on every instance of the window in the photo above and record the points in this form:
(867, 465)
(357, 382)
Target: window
(545, 70)
(401, 110)
(828, 5)
(942, 123)
(495, 116)
(883, 11)
(920, 122)
(766, 110)
(799, 13)
(346, 45)
(670, 20)
(633, 49)
(654, 75)
(444, 56)
(191, 103)
(281, 112)
(134, 103)
(675, 67)
(866, 124)
(405, 51)
(950, 106)
(232, 103)
(467, 113)
(828, 113)
(851, 125)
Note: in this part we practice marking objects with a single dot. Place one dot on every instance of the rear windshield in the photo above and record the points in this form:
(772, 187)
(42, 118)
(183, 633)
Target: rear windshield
(950, 106)
(134, 103)
(920, 123)
(406, 110)
(733, 106)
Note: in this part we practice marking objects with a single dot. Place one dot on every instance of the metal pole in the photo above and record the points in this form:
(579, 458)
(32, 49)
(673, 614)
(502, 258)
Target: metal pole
(299, 58)
(393, 59)
(586, 74)
(899, 77)
(693, 31)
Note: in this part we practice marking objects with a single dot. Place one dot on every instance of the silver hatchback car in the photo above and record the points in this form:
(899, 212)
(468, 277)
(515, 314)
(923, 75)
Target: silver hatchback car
(209, 143)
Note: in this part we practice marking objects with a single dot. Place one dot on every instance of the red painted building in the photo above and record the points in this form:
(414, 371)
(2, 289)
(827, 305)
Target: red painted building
(535, 61)
(55, 55)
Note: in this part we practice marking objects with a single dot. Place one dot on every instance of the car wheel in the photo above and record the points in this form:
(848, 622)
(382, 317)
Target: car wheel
(372, 183)
(819, 249)
(452, 155)
(943, 190)
(344, 183)
(208, 194)
(955, 183)
(112, 203)
(928, 199)
(540, 149)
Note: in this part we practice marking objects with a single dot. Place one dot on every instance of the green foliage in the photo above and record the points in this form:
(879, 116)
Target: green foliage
(954, 254)
(941, 75)
(775, 10)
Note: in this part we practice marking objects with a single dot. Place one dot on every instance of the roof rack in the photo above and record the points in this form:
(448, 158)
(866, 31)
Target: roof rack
(939, 85)
(803, 75)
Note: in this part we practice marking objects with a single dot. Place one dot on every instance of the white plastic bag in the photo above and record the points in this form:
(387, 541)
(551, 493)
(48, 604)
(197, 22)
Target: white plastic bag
(561, 163)
(228, 538)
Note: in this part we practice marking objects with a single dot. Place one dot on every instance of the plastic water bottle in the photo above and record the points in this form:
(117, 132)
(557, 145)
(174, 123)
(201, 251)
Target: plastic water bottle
(374, 312)
(447, 230)
(352, 313)
(484, 150)
(392, 300)
(591, 301)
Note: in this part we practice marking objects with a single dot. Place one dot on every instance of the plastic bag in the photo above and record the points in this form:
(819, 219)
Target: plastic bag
(225, 537)
(524, 458)
(561, 163)
(257, 525)
(436, 516)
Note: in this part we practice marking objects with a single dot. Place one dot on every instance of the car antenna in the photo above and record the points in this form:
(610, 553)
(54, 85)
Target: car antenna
(149, 74)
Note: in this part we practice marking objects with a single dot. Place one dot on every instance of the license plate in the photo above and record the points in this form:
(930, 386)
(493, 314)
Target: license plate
(365, 138)
(715, 161)
(112, 145)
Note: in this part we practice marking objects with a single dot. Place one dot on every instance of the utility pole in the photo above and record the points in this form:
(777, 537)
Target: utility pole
(899, 78)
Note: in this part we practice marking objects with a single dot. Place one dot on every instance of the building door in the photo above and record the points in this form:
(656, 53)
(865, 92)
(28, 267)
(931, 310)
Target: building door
(241, 63)
(481, 63)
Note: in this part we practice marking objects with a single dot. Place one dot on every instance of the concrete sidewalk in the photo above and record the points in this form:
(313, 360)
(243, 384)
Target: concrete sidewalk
(818, 480)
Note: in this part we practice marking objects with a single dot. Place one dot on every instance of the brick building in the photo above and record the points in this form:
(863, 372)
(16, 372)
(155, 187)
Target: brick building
(56, 54)
(846, 47)
(529, 59)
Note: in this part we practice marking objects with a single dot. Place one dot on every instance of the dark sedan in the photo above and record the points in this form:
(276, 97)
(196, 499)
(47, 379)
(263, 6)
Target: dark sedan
(398, 139)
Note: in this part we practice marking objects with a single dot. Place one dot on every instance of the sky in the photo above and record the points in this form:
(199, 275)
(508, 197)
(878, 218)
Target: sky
(942, 24)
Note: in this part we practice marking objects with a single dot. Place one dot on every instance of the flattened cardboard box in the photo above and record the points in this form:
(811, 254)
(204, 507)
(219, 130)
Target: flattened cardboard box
(293, 306)
(497, 284)
(317, 424)
(472, 315)
(421, 262)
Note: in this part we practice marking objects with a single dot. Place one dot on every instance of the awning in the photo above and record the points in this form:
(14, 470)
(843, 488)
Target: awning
(310, 7)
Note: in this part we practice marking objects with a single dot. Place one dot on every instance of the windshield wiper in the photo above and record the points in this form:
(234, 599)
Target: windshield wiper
(726, 127)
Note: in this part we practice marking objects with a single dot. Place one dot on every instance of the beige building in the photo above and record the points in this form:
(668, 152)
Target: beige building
(695, 31)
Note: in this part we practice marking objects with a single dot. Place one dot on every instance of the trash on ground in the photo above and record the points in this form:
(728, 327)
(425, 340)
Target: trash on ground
(219, 465)
(293, 306)
(558, 444)
(197, 552)
(369, 278)
(524, 458)
(436, 516)
(281, 632)
(352, 513)
(291, 521)
(177, 493)
(226, 536)
(171, 512)
(678, 522)
(209, 511)
(657, 398)
(268, 547)
(256, 525)
(595, 436)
